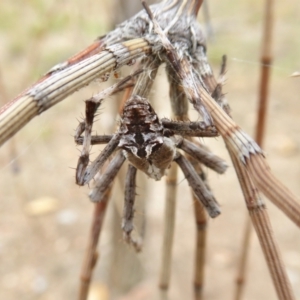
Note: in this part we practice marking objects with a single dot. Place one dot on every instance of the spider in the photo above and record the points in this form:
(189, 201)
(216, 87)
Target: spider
(150, 145)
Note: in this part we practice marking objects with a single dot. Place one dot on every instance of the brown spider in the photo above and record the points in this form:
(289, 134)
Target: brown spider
(150, 145)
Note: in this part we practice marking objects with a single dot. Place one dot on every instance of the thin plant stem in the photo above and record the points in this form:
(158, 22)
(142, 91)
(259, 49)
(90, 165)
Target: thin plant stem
(169, 224)
(179, 113)
(266, 62)
(201, 233)
(246, 150)
(262, 226)
(91, 255)
(243, 259)
(49, 90)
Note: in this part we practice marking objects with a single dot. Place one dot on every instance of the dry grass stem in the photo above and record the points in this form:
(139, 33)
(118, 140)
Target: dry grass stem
(91, 255)
(61, 81)
(262, 226)
(248, 152)
(201, 233)
(243, 260)
(266, 61)
(169, 226)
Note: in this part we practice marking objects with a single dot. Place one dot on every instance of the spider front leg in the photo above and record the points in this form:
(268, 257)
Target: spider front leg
(107, 177)
(84, 173)
(86, 127)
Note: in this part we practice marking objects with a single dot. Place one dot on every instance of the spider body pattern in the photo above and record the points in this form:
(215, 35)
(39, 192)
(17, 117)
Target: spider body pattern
(143, 140)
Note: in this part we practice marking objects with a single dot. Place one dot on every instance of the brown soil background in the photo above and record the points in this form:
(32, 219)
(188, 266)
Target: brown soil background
(41, 256)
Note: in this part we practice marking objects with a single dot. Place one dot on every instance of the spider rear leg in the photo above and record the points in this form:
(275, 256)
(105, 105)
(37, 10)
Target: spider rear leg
(187, 128)
(128, 209)
(203, 155)
(198, 187)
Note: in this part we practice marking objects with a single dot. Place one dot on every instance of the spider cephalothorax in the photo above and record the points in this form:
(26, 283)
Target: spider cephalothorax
(143, 140)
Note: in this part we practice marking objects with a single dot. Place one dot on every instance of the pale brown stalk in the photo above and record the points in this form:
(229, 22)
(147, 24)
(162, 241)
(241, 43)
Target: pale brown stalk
(58, 84)
(266, 61)
(201, 233)
(179, 106)
(169, 225)
(248, 152)
(243, 260)
(179, 112)
(91, 255)
(262, 226)
(201, 228)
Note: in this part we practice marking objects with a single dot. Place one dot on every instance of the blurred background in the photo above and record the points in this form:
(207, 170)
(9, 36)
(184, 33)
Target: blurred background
(45, 217)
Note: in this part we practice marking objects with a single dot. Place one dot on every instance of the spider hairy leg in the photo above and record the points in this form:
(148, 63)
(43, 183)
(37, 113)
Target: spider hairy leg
(83, 161)
(100, 160)
(95, 139)
(201, 154)
(91, 107)
(128, 210)
(199, 188)
(187, 128)
(101, 185)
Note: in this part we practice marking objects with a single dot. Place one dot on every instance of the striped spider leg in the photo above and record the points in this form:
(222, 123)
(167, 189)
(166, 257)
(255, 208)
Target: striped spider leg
(150, 145)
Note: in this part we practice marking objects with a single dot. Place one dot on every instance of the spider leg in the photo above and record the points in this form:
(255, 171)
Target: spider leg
(128, 209)
(203, 155)
(187, 128)
(97, 164)
(107, 177)
(92, 105)
(95, 139)
(199, 188)
(83, 161)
